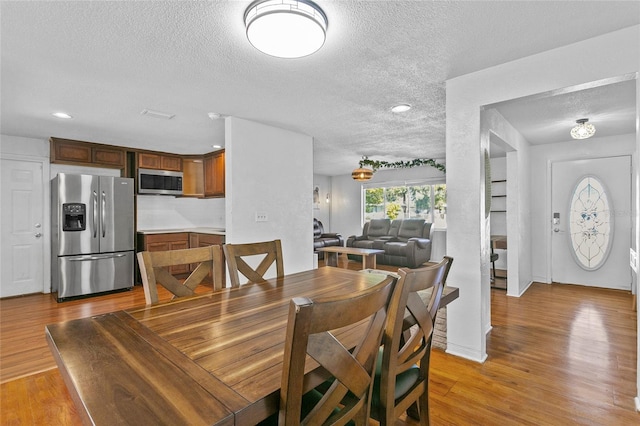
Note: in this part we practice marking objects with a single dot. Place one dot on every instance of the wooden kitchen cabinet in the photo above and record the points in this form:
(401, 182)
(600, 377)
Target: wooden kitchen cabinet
(214, 184)
(67, 151)
(157, 161)
(179, 241)
(193, 177)
(164, 242)
(206, 240)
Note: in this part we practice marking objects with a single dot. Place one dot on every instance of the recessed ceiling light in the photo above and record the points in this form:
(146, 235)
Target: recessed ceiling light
(401, 108)
(216, 146)
(214, 115)
(61, 115)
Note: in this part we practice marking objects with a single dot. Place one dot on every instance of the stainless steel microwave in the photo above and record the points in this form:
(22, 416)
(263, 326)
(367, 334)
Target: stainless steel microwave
(161, 182)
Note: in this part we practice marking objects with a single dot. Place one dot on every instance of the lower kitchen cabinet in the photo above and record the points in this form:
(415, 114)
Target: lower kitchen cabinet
(206, 240)
(178, 241)
(165, 242)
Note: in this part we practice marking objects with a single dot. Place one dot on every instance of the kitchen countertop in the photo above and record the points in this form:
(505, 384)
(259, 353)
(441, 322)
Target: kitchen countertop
(214, 231)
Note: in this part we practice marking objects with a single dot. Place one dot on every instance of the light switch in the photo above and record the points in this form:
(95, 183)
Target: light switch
(261, 217)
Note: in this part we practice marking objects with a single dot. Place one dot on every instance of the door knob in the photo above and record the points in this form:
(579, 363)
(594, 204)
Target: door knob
(37, 225)
(556, 230)
(38, 235)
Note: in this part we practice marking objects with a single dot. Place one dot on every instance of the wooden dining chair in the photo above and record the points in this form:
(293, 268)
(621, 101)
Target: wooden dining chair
(154, 269)
(402, 376)
(309, 340)
(237, 253)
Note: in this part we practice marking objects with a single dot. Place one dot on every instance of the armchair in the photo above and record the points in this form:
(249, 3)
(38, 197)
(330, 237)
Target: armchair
(322, 239)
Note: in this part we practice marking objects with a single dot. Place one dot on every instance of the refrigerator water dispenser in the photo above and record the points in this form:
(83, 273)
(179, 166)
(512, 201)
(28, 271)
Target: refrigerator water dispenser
(74, 217)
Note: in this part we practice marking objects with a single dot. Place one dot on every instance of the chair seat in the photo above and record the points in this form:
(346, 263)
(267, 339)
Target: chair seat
(309, 401)
(404, 382)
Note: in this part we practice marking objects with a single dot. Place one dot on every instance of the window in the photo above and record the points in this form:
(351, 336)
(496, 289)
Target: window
(424, 201)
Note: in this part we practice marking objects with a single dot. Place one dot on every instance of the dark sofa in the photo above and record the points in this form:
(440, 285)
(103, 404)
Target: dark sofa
(322, 239)
(406, 242)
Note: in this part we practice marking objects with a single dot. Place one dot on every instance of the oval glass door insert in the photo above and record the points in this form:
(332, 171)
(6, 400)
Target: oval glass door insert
(590, 223)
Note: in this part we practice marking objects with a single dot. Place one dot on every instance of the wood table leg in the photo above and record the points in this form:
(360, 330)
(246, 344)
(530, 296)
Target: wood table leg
(369, 261)
(332, 259)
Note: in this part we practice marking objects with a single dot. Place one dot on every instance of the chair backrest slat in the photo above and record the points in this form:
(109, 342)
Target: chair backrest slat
(309, 332)
(403, 347)
(236, 254)
(154, 270)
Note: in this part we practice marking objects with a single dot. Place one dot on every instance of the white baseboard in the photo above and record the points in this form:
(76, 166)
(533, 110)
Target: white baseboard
(637, 400)
(465, 352)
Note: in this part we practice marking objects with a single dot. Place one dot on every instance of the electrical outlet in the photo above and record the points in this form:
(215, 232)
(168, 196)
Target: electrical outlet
(261, 217)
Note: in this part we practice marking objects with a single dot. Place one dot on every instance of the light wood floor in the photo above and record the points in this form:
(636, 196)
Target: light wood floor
(558, 355)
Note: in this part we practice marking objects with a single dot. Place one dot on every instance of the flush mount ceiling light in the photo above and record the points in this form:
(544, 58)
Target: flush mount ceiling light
(286, 28)
(401, 108)
(583, 130)
(62, 115)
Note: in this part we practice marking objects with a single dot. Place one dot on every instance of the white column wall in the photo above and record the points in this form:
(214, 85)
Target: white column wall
(636, 240)
(270, 171)
(610, 55)
(518, 172)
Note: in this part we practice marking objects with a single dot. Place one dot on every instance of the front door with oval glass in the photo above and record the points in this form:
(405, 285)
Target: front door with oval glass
(591, 222)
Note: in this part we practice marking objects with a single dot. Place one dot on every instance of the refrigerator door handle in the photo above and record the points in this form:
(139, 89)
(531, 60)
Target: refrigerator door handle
(95, 214)
(103, 213)
(86, 258)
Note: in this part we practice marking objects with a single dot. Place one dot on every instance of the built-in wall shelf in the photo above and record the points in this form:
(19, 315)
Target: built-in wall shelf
(499, 196)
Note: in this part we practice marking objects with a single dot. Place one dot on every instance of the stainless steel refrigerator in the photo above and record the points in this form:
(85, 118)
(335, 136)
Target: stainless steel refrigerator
(92, 234)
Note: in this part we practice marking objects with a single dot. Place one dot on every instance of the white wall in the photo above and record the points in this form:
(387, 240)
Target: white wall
(541, 158)
(636, 240)
(517, 172)
(38, 148)
(270, 171)
(322, 210)
(168, 212)
(598, 58)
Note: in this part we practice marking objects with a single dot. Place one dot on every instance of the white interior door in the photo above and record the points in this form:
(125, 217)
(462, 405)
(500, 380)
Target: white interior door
(591, 230)
(22, 227)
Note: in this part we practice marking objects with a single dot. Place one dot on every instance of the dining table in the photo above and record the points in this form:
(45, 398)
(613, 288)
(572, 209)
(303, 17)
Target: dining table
(212, 359)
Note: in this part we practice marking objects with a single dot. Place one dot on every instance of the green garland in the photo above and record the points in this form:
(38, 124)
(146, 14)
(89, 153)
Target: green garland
(375, 165)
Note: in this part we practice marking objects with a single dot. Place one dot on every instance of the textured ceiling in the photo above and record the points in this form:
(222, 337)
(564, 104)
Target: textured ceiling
(546, 118)
(104, 62)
